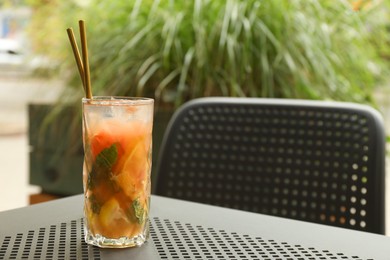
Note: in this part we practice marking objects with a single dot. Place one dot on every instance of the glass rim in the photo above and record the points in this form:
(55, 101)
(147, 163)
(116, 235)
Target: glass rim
(117, 100)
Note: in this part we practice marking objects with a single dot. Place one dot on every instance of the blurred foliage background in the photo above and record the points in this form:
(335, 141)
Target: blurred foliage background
(174, 51)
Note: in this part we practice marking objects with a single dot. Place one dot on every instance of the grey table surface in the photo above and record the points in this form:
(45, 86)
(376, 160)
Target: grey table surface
(207, 227)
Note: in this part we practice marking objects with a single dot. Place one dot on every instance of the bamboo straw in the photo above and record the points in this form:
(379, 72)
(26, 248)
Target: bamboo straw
(84, 50)
(77, 57)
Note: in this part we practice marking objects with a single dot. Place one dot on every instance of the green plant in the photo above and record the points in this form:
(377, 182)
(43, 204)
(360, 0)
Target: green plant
(179, 50)
(175, 51)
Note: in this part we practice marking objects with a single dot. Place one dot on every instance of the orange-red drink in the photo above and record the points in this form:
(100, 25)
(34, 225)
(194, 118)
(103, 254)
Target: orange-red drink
(117, 135)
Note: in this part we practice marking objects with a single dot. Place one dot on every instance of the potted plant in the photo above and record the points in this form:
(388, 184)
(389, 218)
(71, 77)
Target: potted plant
(175, 51)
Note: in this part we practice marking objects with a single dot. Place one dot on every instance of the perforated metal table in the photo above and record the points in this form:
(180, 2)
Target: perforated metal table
(183, 230)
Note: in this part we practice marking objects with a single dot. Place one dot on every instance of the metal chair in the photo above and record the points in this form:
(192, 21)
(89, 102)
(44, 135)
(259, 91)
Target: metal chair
(315, 161)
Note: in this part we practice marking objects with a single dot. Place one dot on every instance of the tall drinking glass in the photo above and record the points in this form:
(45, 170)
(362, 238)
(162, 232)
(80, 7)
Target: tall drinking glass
(117, 138)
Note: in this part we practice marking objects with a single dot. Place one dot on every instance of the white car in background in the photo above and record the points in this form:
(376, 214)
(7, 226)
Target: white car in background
(11, 54)
(15, 58)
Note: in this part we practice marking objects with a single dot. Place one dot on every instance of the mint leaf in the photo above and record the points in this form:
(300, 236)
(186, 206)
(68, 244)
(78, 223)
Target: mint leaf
(139, 211)
(101, 168)
(95, 205)
(107, 157)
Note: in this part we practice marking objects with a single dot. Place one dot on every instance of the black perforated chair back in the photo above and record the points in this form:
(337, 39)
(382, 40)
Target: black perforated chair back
(315, 161)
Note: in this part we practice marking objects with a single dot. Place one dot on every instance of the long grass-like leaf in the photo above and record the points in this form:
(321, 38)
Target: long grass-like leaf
(166, 81)
(136, 9)
(169, 33)
(146, 76)
(153, 10)
(184, 71)
(136, 38)
(146, 64)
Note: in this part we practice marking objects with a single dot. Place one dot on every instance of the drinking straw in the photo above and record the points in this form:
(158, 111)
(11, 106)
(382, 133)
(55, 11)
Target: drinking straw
(77, 57)
(84, 50)
(82, 63)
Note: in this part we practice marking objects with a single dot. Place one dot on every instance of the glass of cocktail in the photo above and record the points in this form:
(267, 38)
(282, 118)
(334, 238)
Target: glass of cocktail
(117, 138)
